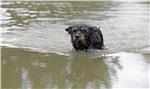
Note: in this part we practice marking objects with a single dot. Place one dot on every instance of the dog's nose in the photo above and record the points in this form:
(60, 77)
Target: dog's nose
(77, 36)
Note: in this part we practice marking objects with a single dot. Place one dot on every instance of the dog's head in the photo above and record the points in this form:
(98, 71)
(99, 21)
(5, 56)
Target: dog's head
(80, 34)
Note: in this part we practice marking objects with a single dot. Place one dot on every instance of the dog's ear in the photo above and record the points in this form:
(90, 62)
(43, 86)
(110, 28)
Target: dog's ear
(94, 29)
(69, 29)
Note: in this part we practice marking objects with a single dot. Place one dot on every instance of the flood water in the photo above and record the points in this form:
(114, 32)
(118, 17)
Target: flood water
(36, 52)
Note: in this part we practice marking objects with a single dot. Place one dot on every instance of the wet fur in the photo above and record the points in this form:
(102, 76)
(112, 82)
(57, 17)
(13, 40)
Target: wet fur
(90, 37)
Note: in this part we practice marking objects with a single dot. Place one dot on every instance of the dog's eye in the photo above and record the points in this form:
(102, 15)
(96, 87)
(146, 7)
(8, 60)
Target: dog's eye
(74, 29)
(84, 29)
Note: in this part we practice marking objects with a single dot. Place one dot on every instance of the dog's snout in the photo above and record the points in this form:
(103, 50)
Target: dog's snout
(77, 36)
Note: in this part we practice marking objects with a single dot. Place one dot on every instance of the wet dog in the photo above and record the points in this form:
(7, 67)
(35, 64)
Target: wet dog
(84, 37)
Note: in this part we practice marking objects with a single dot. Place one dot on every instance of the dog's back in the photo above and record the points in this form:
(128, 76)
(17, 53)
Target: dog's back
(96, 40)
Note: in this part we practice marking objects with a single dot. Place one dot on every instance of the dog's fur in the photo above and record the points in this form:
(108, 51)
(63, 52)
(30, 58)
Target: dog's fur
(84, 37)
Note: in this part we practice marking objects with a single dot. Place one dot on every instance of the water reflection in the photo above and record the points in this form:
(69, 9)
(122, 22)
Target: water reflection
(40, 70)
(26, 83)
(86, 73)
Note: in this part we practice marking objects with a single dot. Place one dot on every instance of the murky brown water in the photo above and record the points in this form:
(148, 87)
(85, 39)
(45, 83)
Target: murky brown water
(37, 53)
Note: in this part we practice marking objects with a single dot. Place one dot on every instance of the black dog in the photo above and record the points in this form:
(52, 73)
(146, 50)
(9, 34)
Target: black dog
(84, 37)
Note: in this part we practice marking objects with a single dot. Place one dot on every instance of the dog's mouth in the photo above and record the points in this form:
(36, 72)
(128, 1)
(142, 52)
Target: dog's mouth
(78, 42)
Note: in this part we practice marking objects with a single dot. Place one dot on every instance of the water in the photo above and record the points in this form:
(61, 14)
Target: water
(37, 52)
